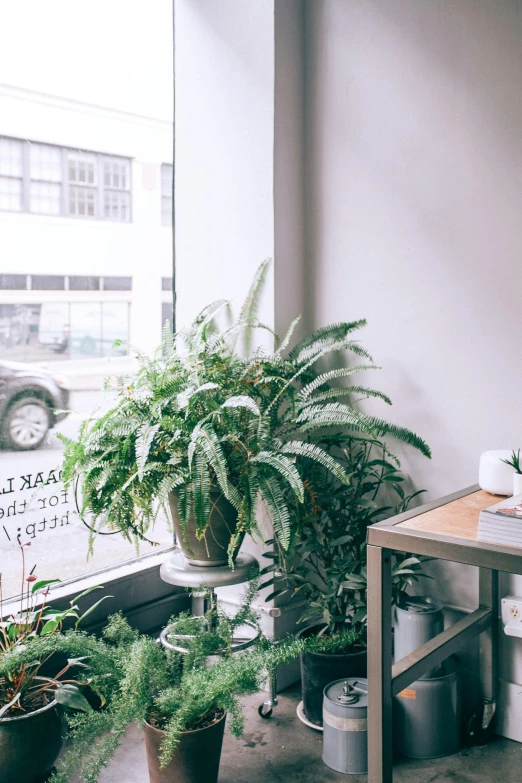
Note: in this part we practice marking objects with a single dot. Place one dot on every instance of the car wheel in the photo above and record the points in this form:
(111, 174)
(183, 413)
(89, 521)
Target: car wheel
(26, 424)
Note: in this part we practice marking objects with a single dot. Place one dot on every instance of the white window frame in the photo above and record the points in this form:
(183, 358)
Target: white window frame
(99, 159)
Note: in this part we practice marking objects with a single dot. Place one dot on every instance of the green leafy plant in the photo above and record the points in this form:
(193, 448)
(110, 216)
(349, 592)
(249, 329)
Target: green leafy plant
(200, 416)
(212, 633)
(514, 461)
(326, 564)
(170, 692)
(27, 686)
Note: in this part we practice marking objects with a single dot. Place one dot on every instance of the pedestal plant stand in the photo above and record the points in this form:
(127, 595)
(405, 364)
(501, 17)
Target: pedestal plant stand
(203, 582)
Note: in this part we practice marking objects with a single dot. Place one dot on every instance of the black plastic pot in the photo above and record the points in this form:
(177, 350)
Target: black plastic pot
(212, 550)
(320, 669)
(30, 744)
(196, 759)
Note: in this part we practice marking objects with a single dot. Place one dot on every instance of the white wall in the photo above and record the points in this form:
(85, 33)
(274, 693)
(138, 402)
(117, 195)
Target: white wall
(224, 61)
(414, 123)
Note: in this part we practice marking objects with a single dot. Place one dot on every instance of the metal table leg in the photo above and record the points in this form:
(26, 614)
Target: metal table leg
(481, 725)
(380, 754)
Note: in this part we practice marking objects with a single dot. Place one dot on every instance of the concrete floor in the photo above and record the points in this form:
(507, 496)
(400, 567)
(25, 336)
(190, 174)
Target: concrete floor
(282, 750)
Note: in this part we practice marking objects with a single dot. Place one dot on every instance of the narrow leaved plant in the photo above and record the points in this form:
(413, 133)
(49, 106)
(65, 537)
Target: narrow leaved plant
(201, 417)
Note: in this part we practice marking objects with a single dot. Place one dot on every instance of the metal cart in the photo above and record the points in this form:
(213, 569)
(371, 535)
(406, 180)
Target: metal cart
(446, 529)
(203, 582)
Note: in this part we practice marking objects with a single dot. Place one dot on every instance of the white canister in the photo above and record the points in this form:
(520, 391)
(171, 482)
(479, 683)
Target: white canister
(517, 483)
(494, 475)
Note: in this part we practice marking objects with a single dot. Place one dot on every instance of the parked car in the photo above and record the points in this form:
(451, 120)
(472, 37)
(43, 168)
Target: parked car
(31, 403)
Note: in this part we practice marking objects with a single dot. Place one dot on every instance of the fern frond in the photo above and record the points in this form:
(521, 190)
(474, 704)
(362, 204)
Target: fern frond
(342, 391)
(285, 468)
(326, 377)
(278, 509)
(251, 302)
(201, 492)
(144, 440)
(242, 401)
(207, 443)
(323, 347)
(317, 454)
(332, 333)
(288, 336)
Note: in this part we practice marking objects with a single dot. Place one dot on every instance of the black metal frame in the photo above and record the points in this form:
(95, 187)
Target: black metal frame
(386, 680)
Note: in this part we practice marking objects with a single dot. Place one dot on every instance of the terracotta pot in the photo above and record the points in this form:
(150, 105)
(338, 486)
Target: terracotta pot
(212, 550)
(30, 744)
(320, 669)
(196, 759)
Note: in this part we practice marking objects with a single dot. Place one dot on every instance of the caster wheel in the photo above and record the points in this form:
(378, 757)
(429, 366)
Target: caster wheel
(480, 726)
(264, 711)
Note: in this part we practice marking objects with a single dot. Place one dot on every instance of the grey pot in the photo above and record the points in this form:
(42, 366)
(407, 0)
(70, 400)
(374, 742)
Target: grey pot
(30, 744)
(211, 550)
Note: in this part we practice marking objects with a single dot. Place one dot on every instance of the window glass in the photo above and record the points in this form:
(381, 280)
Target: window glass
(85, 264)
(166, 194)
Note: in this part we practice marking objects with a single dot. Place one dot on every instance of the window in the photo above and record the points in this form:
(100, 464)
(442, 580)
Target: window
(48, 180)
(11, 175)
(166, 194)
(80, 293)
(45, 166)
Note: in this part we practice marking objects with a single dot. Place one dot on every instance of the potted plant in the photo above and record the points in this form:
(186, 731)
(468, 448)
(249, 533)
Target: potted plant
(208, 431)
(181, 704)
(326, 562)
(40, 674)
(515, 462)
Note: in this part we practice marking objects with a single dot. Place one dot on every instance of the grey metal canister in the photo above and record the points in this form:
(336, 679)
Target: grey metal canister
(417, 621)
(345, 726)
(427, 716)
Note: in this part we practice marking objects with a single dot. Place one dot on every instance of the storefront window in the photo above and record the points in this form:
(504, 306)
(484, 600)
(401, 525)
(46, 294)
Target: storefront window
(84, 254)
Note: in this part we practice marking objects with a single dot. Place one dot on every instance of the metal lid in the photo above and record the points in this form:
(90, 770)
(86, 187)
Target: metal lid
(348, 692)
(418, 604)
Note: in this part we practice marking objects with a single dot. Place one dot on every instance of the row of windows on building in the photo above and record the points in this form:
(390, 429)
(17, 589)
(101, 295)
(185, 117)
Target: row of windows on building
(48, 180)
(71, 283)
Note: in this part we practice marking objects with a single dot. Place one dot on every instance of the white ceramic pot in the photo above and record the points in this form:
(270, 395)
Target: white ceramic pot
(494, 475)
(517, 483)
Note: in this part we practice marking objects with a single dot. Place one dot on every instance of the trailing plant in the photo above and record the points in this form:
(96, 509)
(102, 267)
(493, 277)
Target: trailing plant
(28, 680)
(201, 416)
(514, 461)
(326, 564)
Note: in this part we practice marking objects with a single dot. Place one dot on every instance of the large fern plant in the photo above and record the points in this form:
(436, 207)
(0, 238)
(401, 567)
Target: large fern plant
(200, 416)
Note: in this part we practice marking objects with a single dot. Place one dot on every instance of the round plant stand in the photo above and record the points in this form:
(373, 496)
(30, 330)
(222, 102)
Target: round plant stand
(203, 582)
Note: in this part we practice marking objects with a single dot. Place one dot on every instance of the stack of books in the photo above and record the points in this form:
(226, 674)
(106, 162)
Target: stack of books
(502, 523)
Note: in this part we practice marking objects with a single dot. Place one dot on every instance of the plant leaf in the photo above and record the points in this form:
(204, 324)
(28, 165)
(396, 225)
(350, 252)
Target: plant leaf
(70, 696)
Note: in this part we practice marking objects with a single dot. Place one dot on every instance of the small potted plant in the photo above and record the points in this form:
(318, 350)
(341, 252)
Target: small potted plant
(326, 562)
(181, 703)
(40, 674)
(515, 462)
(208, 431)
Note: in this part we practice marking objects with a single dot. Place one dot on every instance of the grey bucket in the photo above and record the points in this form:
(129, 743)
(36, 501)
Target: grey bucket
(427, 716)
(417, 621)
(345, 726)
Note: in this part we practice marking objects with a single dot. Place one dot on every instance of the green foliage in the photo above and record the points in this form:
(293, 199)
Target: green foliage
(326, 564)
(514, 461)
(201, 415)
(22, 638)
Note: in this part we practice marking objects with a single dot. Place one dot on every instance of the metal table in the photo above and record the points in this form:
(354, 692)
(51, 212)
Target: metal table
(445, 529)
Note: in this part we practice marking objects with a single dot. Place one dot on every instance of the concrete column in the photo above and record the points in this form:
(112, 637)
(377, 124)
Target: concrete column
(239, 160)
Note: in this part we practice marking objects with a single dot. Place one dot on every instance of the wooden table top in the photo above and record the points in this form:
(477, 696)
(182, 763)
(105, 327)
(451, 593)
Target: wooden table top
(458, 519)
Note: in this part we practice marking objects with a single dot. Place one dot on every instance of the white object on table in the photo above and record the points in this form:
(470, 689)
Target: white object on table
(494, 475)
(517, 483)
